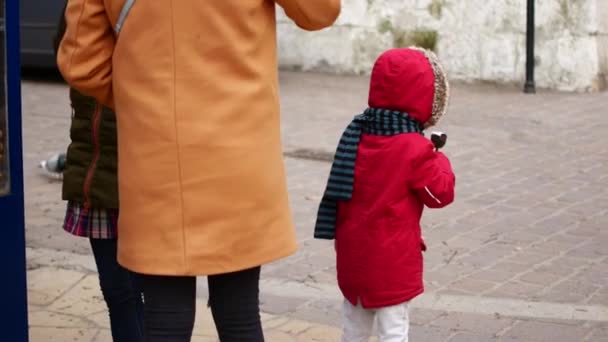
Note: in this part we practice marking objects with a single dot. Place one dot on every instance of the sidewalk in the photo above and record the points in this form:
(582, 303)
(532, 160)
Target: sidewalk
(520, 256)
(65, 304)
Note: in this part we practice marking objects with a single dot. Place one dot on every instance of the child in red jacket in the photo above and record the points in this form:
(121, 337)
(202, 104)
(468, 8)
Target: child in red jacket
(384, 172)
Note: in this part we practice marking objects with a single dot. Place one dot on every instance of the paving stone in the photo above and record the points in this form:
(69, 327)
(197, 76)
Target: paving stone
(321, 312)
(454, 270)
(539, 277)
(599, 332)
(84, 298)
(468, 337)
(279, 336)
(592, 250)
(488, 254)
(44, 257)
(204, 325)
(546, 332)
(557, 268)
(472, 285)
(48, 284)
(39, 298)
(521, 238)
(298, 271)
(566, 239)
(57, 320)
(104, 335)
(47, 334)
(278, 305)
(516, 290)
(325, 277)
(598, 299)
(275, 321)
(424, 316)
(461, 242)
(418, 333)
(512, 268)
(100, 319)
(493, 275)
(587, 230)
(552, 248)
(453, 292)
(529, 258)
(577, 285)
(473, 323)
(559, 296)
(321, 334)
(294, 327)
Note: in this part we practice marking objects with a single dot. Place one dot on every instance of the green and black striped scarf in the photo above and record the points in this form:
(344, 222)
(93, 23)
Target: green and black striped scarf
(339, 187)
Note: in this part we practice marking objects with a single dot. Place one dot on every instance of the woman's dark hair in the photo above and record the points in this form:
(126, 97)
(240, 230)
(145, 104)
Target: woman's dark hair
(60, 29)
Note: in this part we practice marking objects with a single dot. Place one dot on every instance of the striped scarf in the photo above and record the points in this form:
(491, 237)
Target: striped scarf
(341, 178)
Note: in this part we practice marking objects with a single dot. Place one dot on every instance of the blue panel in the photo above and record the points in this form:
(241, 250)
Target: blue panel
(13, 288)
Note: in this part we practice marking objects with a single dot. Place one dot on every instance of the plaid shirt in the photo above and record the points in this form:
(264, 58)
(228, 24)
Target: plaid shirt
(91, 223)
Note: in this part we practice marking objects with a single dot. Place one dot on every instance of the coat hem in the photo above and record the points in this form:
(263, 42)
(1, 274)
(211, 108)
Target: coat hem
(386, 303)
(152, 267)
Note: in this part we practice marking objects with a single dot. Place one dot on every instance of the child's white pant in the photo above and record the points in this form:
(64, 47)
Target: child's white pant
(392, 322)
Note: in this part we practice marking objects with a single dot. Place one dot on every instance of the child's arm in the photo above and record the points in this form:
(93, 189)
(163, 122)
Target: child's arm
(311, 14)
(85, 53)
(434, 180)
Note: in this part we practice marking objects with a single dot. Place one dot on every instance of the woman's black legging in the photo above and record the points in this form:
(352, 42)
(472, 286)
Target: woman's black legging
(169, 307)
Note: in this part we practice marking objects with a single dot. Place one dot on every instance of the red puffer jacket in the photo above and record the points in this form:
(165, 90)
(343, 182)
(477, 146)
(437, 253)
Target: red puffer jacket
(378, 236)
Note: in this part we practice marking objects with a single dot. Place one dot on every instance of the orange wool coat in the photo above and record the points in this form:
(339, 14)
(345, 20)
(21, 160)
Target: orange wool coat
(195, 87)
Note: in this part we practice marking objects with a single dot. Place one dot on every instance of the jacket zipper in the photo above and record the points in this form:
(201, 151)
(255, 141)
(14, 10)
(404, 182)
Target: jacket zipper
(93, 166)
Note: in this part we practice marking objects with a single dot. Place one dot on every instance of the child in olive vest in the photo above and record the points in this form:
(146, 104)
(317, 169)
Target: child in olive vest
(91, 189)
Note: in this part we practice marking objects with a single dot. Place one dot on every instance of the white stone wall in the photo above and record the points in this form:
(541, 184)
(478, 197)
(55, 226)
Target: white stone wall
(477, 40)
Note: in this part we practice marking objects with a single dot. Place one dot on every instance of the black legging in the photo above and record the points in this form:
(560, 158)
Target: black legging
(120, 292)
(169, 307)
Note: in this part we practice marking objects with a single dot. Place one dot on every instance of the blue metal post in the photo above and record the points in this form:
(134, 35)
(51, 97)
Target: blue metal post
(13, 286)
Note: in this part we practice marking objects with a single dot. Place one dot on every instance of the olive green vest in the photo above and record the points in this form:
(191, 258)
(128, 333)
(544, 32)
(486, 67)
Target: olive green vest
(90, 172)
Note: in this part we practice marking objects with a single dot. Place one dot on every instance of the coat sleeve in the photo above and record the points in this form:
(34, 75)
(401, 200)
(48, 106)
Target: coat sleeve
(312, 15)
(434, 180)
(85, 52)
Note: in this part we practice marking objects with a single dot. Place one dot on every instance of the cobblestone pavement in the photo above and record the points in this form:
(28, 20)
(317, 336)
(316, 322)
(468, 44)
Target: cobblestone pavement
(520, 256)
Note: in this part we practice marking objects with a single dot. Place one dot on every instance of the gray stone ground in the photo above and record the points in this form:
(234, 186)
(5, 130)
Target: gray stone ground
(520, 256)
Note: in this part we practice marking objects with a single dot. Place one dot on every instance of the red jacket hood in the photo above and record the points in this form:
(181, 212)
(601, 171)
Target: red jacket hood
(410, 81)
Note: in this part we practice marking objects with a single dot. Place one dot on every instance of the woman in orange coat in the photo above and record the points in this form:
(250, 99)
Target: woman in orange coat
(201, 177)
